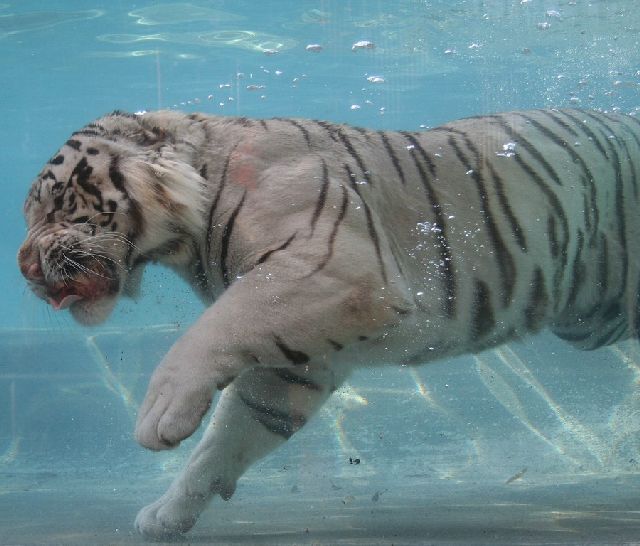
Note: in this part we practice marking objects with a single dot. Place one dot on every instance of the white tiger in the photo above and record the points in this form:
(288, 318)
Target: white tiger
(320, 247)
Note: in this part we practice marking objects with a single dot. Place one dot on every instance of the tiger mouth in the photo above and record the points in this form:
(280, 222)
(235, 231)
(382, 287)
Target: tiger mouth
(64, 298)
(64, 295)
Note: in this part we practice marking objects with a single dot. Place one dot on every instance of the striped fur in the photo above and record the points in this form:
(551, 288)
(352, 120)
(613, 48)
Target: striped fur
(319, 247)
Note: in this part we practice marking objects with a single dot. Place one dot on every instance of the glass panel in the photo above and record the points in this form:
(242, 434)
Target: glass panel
(424, 258)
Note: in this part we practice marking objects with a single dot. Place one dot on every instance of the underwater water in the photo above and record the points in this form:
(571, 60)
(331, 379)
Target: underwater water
(531, 443)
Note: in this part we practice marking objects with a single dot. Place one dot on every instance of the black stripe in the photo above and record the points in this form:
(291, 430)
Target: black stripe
(556, 205)
(268, 253)
(393, 156)
(334, 232)
(371, 228)
(603, 266)
(321, 198)
(613, 335)
(85, 132)
(203, 171)
(226, 238)
(57, 160)
(483, 320)
(612, 312)
(449, 278)
(292, 378)
(553, 137)
(329, 128)
(530, 148)
(401, 310)
(116, 176)
(636, 324)
(263, 124)
(634, 175)
(298, 126)
(75, 144)
(295, 357)
(587, 131)
(355, 155)
(588, 181)
(243, 121)
(416, 144)
(366, 133)
(516, 228)
(337, 346)
(619, 200)
(82, 172)
(536, 309)
(123, 114)
(553, 117)
(592, 229)
(505, 260)
(214, 205)
(622, 120)
(633, 119)
(119, 183)
(49, 175)
(577, 271)
(279, 423)
(96, 127)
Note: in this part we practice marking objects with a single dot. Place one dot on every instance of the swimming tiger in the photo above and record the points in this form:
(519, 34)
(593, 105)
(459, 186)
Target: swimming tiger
(320, 247)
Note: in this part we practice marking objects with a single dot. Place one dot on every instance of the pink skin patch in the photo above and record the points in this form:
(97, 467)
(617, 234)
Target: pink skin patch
(242, 170)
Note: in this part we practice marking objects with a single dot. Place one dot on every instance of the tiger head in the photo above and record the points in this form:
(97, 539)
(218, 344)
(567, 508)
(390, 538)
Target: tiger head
(104, 205)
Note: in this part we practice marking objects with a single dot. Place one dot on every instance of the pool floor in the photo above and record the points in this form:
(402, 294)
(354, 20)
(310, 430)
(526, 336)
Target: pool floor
(529, 444)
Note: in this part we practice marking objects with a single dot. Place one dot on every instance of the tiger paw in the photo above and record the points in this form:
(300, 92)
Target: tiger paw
(172, 409)
(168, 518)
(177, 511)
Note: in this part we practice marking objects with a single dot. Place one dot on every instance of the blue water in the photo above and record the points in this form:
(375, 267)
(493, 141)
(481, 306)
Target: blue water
(534, 443)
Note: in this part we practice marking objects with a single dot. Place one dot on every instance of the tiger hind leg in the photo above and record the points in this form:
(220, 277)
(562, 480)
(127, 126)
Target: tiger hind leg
(256, 414)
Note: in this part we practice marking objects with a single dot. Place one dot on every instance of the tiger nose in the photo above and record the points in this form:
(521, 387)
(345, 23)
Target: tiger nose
(29, 262)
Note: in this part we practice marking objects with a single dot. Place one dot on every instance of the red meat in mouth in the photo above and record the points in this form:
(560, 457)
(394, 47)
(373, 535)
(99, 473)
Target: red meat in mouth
(63, 295)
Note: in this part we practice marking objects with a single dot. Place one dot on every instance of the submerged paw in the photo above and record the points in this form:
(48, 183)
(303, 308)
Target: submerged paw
(158, 522)
(171, 413)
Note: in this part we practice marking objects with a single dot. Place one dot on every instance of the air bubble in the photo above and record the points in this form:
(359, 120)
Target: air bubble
(314, 47)
(363, 44)
(375, 79)
(508, 150)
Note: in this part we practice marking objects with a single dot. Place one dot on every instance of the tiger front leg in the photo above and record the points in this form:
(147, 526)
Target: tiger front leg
(256, 414)
(267, 319)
